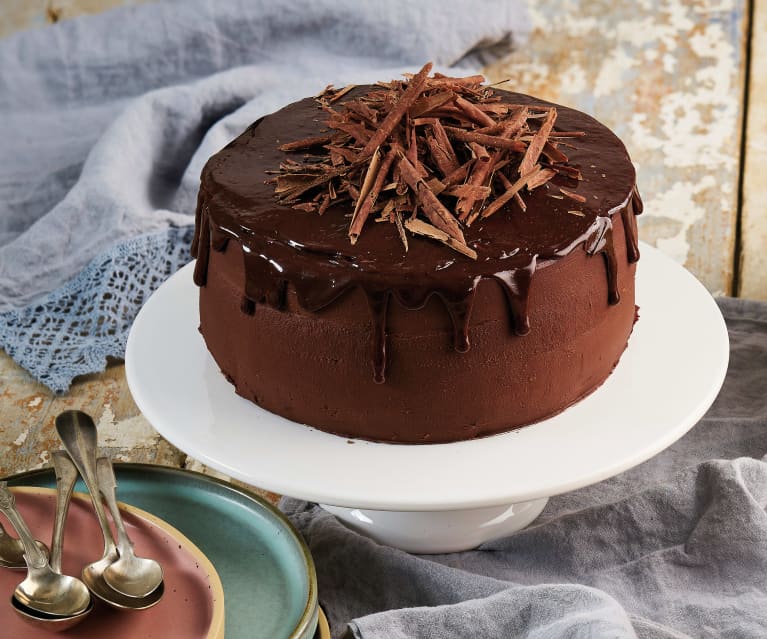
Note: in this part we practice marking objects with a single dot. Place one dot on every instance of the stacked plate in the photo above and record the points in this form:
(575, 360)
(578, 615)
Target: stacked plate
(234, 565)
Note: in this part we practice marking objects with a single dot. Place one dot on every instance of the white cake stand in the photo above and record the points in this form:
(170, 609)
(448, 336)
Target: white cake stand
(439, 497)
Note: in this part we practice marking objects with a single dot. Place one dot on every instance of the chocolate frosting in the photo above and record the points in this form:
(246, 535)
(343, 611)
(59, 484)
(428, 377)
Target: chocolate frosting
(312, 253)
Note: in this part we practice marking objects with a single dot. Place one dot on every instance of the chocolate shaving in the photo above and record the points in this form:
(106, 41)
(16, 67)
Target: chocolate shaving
(432, 207)
(419, 227)
(480, 152)
(357, 131)
(470, 190)
(571, 195)
(494, 141)
(430, 103)
(473, 113)
(540, 178)
(507, 185)
(410, 95)
(425, 154)
(510, 192)
(440, 80)
(553, 153)
(371, 176)
(306, 143)
(324, 203)
(330, 95)
(362, 110)
(346, 154)
(537, 143)
(445, 147)
(564, 169)
(400, 228)
(480, 174)
(459, 175)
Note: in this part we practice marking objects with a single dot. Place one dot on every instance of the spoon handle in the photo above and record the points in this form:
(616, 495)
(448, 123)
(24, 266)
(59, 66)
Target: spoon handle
(79, 437)
(32, 554)
(66, 476)
(108, 486)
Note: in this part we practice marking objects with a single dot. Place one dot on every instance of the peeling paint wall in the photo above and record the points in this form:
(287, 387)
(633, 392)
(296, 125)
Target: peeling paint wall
(667, 76)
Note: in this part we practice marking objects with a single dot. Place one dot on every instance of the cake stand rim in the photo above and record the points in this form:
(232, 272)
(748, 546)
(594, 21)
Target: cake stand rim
(294, 479)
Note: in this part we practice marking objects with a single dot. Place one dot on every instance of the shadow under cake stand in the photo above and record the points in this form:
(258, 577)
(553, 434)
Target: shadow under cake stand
(439, 497)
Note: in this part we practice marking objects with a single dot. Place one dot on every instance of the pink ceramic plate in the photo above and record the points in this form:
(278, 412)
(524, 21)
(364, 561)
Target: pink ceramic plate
(193, 604)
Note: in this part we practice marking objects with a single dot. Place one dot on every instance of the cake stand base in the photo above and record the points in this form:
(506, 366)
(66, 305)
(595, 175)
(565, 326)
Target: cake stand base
(435, 532)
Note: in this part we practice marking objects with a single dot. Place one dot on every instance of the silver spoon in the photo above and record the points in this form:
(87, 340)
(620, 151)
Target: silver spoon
(134, 574)
(43, 590)
(94, 575)
(12, 551)
(79, 437)
(50, 623)
(66, 476)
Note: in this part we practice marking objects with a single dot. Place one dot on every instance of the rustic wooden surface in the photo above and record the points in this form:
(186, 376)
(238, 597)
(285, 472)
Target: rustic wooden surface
(28, 411)
(667, 75)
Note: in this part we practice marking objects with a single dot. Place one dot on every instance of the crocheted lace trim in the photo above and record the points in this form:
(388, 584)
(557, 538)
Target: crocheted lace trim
(75, 328)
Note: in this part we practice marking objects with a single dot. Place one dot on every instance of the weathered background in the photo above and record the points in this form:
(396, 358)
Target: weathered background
(671, 77)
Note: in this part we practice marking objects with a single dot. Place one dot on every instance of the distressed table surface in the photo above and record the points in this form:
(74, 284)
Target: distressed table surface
(669, 76)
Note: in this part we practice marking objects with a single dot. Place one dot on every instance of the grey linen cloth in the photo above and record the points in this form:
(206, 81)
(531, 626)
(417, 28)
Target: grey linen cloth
(675, 547)
(107, 120)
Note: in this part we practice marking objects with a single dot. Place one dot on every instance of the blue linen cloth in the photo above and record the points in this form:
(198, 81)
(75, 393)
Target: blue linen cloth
(107, 120)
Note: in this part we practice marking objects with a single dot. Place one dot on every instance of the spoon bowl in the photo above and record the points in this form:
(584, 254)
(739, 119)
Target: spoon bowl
(43, 590)
(12, 551)
(48, 622)
(130, 575)
(66, 476)
(101, 590)
(135, 577)
(53, 594)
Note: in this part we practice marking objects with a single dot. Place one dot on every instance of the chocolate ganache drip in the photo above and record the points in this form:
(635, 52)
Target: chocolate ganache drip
(289, 247)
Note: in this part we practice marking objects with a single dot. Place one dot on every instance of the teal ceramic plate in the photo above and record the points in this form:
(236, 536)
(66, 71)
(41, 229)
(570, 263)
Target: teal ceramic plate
(270, 586)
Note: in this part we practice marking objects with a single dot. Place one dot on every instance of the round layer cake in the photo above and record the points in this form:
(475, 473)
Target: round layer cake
(422, 329)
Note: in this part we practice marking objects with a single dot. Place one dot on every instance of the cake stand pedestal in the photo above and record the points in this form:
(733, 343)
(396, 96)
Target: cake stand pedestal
(439, 497)
(439, 531)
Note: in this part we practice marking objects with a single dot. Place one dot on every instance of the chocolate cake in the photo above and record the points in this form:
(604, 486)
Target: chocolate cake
(418, 261)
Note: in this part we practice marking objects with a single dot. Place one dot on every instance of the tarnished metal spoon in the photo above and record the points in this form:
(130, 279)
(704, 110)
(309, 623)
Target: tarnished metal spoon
(43, 589)
(49, 623)
(12, 551)
(100, 590)
(94, 577)
(66, 476)
(136, 576)
(79, 437)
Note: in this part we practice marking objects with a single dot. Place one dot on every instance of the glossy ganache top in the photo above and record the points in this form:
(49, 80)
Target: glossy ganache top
(313, 254)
